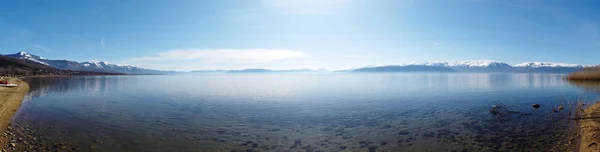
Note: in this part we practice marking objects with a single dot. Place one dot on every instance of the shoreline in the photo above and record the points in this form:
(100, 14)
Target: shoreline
(10, 101)
(50, 76)
(590, 129)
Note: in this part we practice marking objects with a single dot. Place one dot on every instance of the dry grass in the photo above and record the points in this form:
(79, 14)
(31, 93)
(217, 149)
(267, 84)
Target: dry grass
(590, 73)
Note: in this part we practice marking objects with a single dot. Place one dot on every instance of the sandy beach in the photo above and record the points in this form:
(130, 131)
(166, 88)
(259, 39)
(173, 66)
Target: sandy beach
(10, 100)
(590, 129)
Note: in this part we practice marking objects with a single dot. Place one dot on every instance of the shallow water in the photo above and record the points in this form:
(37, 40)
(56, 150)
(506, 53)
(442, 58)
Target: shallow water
(285, 112)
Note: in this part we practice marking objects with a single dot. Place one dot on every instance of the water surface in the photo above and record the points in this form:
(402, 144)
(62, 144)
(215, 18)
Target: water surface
(286, 112)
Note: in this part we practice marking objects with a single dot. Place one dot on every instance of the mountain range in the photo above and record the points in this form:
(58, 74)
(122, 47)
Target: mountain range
(475, 66)
(14, 66)
(93, 65)
(484, 66)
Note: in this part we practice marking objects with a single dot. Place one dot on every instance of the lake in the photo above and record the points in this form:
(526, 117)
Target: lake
(295, 112)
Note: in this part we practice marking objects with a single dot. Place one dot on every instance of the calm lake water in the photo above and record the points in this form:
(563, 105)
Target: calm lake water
(285, 112)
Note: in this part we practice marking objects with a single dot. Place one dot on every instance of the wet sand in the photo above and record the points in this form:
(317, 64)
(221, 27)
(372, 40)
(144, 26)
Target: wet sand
(10, 100)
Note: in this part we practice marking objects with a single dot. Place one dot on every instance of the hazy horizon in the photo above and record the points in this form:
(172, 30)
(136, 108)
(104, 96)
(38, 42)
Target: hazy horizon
(475, 63)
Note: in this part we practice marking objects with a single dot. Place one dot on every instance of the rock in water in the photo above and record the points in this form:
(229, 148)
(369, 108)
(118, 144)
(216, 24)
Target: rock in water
(498, 110)
(535, 106)
(561, 107)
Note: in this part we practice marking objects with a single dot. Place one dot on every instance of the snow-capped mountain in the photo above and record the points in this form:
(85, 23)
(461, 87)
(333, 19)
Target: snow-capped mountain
(101, 64)
(27, 56)
(96, 66)
(465, 63)
(107, 66)
(547, 67)
(469, 65)
(547, 64)
(490, 66)
(428, 66)
(404, 68)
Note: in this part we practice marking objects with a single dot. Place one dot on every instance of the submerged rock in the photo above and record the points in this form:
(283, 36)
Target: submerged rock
(498, 110)
(343, 147)
(403, 132)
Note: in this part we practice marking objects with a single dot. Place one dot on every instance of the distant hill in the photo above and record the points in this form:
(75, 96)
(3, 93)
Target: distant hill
(7, 62)
(483, 66)
(487, 66)
(250, 71)
(296, 71)
(204, 72)
(93, 66)
(478, 66)
(405, 68)
(547, 67)
(13, 66)
(465, 64)
(303, 71)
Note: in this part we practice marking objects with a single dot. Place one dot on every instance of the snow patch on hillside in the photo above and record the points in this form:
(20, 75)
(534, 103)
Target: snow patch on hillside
(547, 64)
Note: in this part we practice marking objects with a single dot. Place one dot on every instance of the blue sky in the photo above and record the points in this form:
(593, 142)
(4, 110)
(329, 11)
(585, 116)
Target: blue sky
(291, 34)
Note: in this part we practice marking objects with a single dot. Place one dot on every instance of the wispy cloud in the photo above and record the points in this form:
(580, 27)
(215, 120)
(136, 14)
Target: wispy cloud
(43, 48)
(304, 6)
(102, 42)
(225, 55)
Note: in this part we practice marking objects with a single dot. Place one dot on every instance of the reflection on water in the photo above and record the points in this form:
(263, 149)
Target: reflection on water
(353, 112)
(593, 86)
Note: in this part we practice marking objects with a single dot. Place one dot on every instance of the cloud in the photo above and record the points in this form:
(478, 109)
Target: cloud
(225, 55)
(41, 47)
(102, 42)
(304, 6)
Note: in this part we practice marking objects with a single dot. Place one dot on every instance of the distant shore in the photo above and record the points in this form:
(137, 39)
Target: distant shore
(589, 73)
(10, 100)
